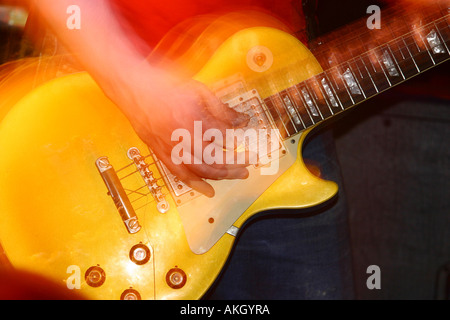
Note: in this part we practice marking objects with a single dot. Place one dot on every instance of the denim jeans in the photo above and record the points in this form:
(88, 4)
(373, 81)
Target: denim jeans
(294, 254)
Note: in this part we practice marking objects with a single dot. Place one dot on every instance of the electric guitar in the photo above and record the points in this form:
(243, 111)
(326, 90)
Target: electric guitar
(85, 203)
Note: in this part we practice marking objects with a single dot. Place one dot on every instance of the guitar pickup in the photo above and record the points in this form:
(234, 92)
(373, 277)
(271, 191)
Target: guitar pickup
(181, 192)
(118, 194)
(250, 104)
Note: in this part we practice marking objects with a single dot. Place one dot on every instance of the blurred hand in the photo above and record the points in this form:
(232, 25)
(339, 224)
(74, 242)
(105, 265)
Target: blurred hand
(156, 108)
(156, 101)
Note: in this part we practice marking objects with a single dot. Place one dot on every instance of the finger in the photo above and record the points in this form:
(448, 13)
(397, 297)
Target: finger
(235, 158)
(230, 165)
(223, 112)
(213, 151)
(213, 162)
(209, 162)
(190, 179)
(222, 134)
(230, 117)
(214, 173)
(183, 173)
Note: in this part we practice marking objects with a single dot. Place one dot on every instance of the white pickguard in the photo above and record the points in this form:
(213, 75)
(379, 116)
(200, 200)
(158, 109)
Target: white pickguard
(206, 220)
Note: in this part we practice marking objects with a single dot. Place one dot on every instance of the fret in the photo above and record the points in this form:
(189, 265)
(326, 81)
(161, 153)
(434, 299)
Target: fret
(390, 66)
(444, 41)
(341, 90)
(351, 82)
(291, 122)
(371, 69)
(330, 92)
(387, 63)
(421, 56)
(383, 69)
(363, 77)
(363, 66)
(290, 105)
(411, 55)
(309, 102)
(435, 45)
(427, 49)
(319, 97)
(296, 120)
(327, 96)
(301, 109)
(278, 121)
(395, 60)
(376, 71)
(404, 58)
(396, 47)
(284, 116)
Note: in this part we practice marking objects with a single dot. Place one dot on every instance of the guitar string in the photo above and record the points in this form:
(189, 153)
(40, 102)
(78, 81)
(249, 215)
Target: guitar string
(354, 59)
(378, 48)
(144, 157)
(391, 41)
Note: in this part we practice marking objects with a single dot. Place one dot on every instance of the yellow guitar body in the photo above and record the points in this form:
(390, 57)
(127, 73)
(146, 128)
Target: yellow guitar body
(57, 220)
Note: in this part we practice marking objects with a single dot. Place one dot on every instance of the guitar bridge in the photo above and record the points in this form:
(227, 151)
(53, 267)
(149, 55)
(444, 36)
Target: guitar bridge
(161, 203)
(118, 194)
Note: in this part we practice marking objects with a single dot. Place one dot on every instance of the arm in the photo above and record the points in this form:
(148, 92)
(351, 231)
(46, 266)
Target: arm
(140, 90)
(100, 45)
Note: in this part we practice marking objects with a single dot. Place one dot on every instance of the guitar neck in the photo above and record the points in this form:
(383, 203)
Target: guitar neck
(360, 76)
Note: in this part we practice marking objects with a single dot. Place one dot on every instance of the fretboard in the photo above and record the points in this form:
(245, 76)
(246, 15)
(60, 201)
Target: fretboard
(361, 77)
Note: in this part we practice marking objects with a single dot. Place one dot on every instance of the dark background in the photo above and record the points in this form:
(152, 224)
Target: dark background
(394, 154)
(395, 159)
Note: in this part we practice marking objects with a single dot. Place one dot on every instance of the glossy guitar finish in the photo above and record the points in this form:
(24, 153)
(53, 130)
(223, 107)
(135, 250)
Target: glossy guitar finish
(58, 220)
